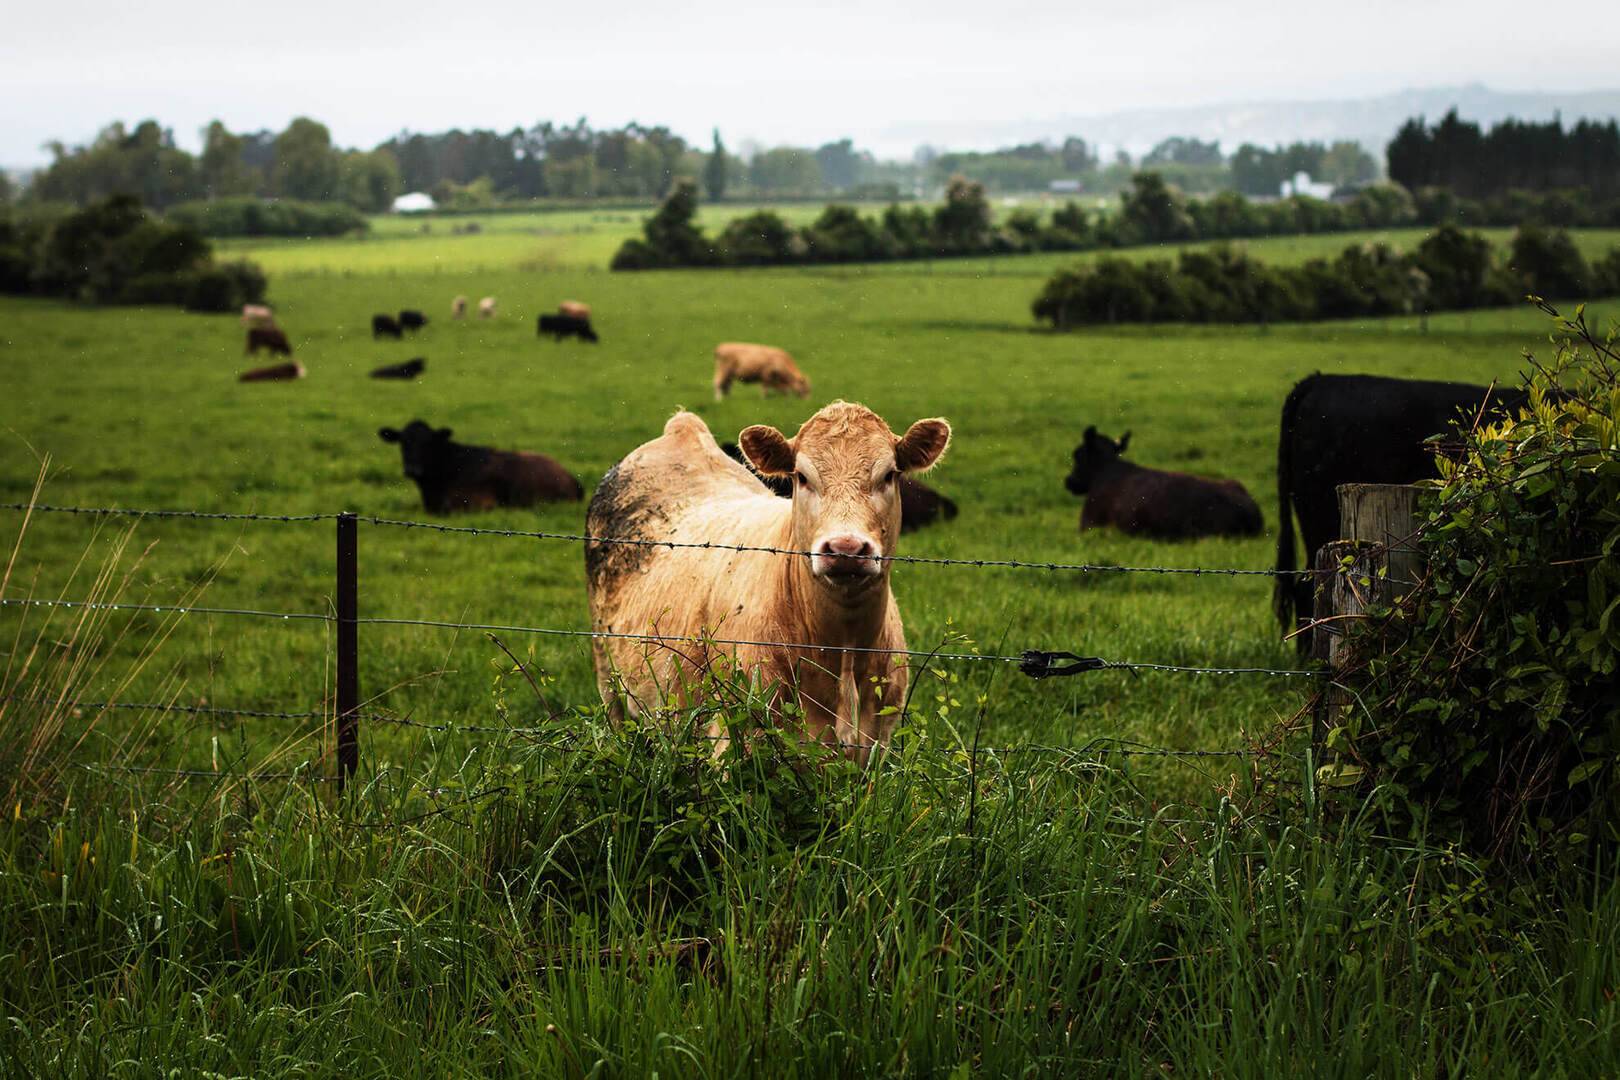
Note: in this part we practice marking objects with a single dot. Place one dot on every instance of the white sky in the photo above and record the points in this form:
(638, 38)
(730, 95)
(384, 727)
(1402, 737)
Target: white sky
(888, 75)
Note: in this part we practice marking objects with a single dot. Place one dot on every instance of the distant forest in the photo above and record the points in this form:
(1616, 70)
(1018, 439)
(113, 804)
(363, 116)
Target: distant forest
(469, 170)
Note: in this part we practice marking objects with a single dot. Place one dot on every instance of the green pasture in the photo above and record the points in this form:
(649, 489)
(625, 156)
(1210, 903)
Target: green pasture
(592, 902)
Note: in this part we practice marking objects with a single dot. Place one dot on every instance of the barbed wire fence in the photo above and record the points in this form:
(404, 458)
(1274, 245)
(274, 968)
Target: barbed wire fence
(347, 713)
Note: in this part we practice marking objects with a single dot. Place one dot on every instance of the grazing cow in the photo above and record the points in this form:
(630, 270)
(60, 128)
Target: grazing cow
(486, 308)
(833, 608)
(454, 477)
(267, 337)
(412, 320)
(1153, 502)
(772, 368)
(561, 326)
(385, 326)
(410, 369)
(574, 310)
(274, 373)
(920, 504)
(1356, 429)
(458, 308)
(257, 315)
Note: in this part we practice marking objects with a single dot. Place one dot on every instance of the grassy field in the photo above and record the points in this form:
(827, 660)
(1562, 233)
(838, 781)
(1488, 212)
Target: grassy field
(1020, 919)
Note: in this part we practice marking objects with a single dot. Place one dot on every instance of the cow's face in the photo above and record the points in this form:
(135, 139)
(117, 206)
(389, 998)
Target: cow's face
(846, 466)
(1091, 456)
(801, 385)
(420, 445)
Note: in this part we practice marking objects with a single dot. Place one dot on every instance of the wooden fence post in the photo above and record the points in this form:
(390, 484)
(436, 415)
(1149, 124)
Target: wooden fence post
(1375, 564)
(348, 647)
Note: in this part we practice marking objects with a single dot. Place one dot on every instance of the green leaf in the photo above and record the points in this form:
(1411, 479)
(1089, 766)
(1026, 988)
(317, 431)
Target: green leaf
(1584, 770)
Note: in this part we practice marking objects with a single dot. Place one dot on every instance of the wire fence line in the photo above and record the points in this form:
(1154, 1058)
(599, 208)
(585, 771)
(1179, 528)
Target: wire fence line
(1022, 659)
(585, 538)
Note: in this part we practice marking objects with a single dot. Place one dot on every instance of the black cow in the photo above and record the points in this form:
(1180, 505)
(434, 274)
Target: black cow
(412, 320)
(385, 326)
(410, 369)
(267, 337)
(920, 504)
(452, 476)
(1356, 429)
(1153, 502)
(561, 326)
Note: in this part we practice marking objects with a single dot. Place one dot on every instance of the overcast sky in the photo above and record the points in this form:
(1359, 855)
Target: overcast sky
(889, 75)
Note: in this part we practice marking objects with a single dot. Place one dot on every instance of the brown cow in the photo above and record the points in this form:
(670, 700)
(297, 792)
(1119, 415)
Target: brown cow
(573, 309)
(257, 315)
(458, 308)
(267, 337)
(845, 464)
(274, 373)
(772, 368)
(1152, 502)
(452, 476)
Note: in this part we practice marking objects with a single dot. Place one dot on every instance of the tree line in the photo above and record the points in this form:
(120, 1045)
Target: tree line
(1450, 270)
(1514, 154)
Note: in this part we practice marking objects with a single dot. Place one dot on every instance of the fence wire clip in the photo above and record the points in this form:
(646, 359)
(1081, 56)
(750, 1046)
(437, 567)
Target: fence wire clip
(1043, 665)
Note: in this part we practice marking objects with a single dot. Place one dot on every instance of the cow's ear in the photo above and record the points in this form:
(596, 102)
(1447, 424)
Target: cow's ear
(1124, 441)
(1090, 437)
(922, 444)
(767, 450)
(388, 434)
(443, 434)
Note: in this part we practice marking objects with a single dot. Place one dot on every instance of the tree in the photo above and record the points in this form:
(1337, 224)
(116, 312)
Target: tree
(963, 222)
(221, 170)
(8, 190)
(369, 180)
(1177, 150)
(1077, 156)
(306, 165)
(785, 170)
(1155, 211)
(1345, 162)
(840, 165)
(714, 170)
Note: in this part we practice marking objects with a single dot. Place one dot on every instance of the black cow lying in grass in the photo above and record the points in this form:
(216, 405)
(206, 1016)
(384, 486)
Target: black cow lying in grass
(1152, 502)
(920, 504)
(267, 337)
(412, 320)
(385, 326)
(1357, 429)
(292, 369)
(455, 477)
(561, 326)
(410, 369)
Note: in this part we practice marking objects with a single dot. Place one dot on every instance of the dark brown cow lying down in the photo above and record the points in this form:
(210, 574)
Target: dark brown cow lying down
(274, 373)
(1152, 502)
(920, 505)
(452, 476)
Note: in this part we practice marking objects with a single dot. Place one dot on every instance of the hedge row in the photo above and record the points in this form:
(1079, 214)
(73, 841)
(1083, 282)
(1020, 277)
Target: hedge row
(1450, 270)
(248, 216)
(114, 252)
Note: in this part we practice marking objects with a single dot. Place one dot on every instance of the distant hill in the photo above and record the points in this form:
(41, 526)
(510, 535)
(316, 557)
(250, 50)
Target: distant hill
(1370, 121)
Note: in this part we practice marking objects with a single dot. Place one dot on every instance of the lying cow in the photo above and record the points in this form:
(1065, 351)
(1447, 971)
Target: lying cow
(772, 368)
(1152, 502)
(267, 337)
(561, 326)
(458, 308)
(410, 369)
(486, 308)
(412, 320)
(274, 373)
(452, 476)
(257, 315)
(1356, 429)
(920, 504)
(574, 310)
(385, 326)
(845, 465)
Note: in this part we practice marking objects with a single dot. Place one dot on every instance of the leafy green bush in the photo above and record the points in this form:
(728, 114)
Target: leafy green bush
(1546, 262)
(248, 216)
(671, 237)
(1492, 707)
(759, 239)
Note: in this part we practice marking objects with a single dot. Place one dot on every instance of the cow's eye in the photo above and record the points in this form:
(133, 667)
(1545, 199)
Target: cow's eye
(890, 477)
(800, 479)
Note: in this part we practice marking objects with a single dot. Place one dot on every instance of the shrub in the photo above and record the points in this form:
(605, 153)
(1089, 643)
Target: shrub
(962, 224)
(247, 216)
(1457, 264)
(671, 236)
(1491, 709)
(1546, 262)
(1106, 290)
(1153, 212)
(759, 239)
(841, 234)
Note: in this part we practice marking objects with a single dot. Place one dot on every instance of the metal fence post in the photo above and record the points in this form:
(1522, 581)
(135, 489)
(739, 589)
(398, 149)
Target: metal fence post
(348, 647)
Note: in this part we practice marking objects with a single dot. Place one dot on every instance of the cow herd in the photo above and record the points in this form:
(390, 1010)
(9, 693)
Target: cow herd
(674, 518)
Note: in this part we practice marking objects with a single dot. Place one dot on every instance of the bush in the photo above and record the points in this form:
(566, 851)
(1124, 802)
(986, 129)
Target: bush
(247, 216)
(671, 236)
(1492, 714)
(1457, 264)
(1546, 262)
(759, 239)
(841, 234)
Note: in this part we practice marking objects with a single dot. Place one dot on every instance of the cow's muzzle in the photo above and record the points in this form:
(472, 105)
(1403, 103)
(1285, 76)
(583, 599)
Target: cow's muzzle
(847, 559)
